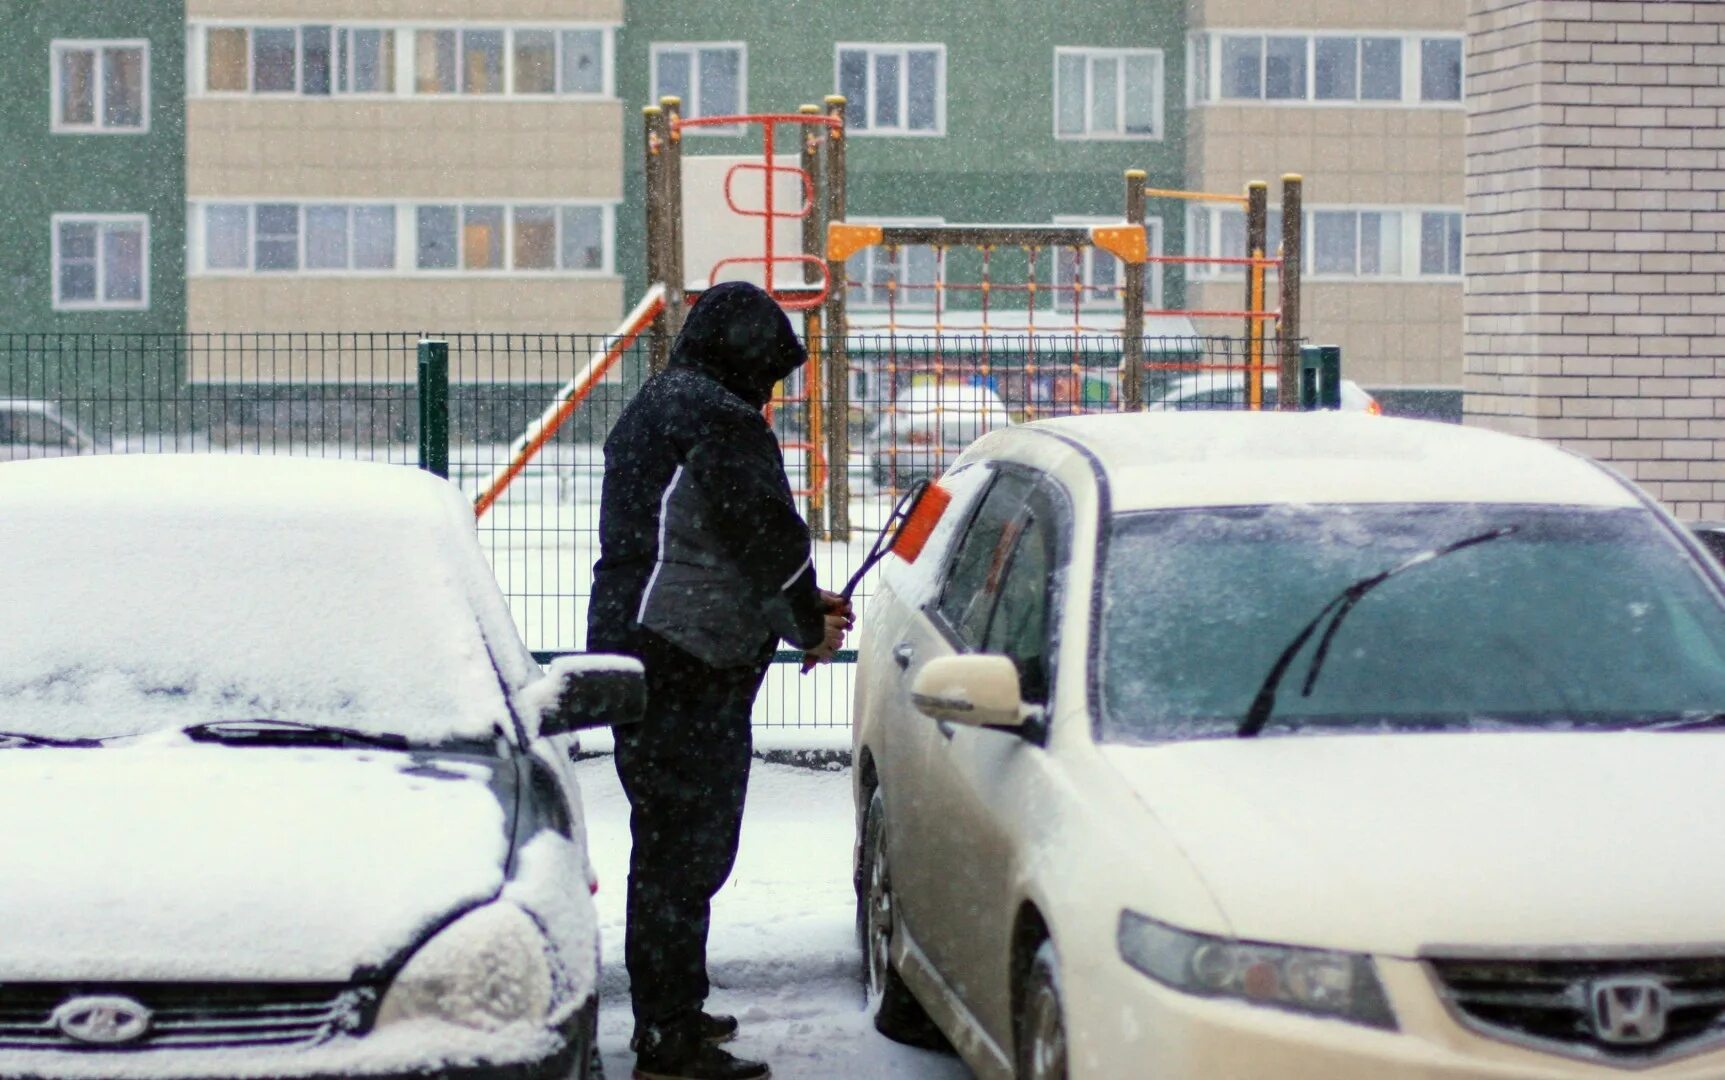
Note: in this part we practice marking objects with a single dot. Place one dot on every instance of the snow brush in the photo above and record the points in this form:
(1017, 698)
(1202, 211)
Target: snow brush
(905, 534)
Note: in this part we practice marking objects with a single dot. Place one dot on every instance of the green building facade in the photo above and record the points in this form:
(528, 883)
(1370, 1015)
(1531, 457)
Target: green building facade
(93, 189)
(1040, 109)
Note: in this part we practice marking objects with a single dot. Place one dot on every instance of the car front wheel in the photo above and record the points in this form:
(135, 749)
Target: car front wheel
(1041, 1023)
(897, 1013)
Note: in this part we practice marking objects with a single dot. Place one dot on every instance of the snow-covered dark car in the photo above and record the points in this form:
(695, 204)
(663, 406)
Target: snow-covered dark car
(288, 796)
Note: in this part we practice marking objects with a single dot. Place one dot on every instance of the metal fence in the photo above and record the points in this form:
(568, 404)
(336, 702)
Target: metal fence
(913, 404)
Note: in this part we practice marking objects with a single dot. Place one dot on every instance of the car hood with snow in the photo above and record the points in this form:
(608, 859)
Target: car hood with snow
(179, 862)
(1407, 844)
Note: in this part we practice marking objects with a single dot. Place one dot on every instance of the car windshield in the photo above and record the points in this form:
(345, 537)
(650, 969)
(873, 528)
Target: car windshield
(132, 621)
(1578, 618)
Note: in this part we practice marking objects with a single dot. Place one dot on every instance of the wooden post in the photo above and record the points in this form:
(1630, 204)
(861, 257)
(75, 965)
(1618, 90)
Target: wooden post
(1132, 321)
(815, 391)
(837, 328)
(1257, 225)
(675, 308)
(653, 195)
(1288, 388)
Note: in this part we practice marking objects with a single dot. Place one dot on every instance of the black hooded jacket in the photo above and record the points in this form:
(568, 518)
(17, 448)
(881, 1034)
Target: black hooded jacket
(700, 540)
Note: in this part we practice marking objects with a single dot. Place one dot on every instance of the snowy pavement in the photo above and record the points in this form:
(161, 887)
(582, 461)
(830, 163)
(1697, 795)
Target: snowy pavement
(783, 954)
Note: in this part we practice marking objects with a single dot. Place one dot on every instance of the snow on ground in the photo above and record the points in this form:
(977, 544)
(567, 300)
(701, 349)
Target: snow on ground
(783, 954)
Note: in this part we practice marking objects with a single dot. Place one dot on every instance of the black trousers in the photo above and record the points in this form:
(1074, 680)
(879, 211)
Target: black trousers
(685, 770)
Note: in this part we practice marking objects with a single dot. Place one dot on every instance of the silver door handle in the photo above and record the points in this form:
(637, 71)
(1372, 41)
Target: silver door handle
(903, 653)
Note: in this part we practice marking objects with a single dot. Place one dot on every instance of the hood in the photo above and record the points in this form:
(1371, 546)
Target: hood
(740, 336)
(1396, 844)
(223, 863)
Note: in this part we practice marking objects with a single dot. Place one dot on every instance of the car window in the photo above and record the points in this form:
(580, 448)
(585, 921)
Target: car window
(33, 429)
(1019, 625)
(980, 563)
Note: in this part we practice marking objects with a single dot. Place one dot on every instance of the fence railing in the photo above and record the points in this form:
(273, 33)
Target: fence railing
(913, 403)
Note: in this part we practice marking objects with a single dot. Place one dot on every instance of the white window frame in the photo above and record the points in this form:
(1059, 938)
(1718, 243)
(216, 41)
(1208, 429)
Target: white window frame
(878, 251)
(1152, 279)
(58, 48)
(1090, 55)
(692, 107)
(406, 238)
(406, 44)
(903, 49)
(1209, 41)
(99, 220)
(1409, 274)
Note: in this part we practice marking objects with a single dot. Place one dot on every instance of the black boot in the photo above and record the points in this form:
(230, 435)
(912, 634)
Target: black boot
(669, 1055)
(713, 1029)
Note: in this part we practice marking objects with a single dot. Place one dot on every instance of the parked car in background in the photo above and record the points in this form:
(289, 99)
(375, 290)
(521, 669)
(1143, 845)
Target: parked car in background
(926, 426)
(300, 800)
(1295, 745)
(1228, 390)
(35, 429)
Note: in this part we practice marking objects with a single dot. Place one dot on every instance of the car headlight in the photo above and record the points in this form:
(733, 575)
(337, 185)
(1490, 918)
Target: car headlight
(487, 970)
(1334, 984)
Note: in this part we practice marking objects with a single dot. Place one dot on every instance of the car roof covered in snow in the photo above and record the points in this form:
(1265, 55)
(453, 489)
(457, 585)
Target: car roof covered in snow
(158, 590)
(1163, 460)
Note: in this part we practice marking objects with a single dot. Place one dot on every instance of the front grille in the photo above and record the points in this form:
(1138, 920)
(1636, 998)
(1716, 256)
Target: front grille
(1548, 1002)
(192, 1015)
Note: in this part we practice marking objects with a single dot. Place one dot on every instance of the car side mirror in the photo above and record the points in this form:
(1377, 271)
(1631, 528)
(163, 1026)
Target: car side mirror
(975, 689)
(587, 690)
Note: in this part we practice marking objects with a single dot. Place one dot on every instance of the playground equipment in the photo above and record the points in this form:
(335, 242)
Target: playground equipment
(779, 218)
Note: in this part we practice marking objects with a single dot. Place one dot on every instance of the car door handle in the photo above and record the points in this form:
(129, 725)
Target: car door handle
(903, 653)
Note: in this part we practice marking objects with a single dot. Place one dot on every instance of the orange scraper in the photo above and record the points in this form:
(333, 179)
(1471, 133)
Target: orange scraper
(905, 533)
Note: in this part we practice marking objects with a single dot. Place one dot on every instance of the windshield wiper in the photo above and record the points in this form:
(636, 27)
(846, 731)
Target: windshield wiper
(14, 740)
(1336, 610)
(290, 733)
(1696, 721)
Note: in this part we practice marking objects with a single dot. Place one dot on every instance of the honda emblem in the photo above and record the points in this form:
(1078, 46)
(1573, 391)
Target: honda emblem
(1629, 1011)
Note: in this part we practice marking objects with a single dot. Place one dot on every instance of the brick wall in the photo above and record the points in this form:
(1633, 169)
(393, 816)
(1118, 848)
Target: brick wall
(1593, 309)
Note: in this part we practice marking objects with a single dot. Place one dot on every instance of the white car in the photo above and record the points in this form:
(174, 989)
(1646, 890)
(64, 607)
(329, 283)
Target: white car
(927, 426)
(35, 429)
(287, 795)
(1295, 746)
(1227, 390)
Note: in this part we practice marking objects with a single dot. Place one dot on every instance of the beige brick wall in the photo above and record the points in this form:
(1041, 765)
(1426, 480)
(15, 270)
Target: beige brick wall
(1594, 216)
(369, 149)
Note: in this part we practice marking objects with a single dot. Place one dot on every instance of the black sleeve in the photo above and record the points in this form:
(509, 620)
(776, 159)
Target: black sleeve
(736, 463)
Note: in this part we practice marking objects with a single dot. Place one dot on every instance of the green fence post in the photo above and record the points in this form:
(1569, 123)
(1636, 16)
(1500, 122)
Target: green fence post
(1330, 377)
(434, 407)
(1310, 363)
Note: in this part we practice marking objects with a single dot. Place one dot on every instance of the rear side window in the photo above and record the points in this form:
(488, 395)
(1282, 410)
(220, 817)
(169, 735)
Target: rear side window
(1019, 626)
(980, 565)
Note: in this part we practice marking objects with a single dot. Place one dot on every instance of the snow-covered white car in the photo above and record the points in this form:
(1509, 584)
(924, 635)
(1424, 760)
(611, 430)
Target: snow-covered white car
(928, 425)
(1228, 390)
(1295, 746)
(288, 796)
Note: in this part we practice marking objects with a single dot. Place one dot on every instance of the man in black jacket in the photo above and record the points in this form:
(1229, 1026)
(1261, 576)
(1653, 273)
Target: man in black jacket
(704, 565)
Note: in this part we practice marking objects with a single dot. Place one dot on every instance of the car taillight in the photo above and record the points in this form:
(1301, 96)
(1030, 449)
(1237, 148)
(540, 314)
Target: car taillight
(1373, 408)
(920, 438)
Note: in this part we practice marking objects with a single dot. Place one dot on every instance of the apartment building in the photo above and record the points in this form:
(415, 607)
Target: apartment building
(995, 111)
(1367, 103)
(94, 179)
(446, 165)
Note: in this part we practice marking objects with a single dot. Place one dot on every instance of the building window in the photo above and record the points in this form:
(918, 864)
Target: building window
(320, 61)
(101, 261)
(1440, 69)
(1328, 68)
(1097, 277)
(1392, 243)
(100, 86)
(904, 277)
(711, 78)
(1440, 243)
(1108, 93)
(363, 238)
(893, 89)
